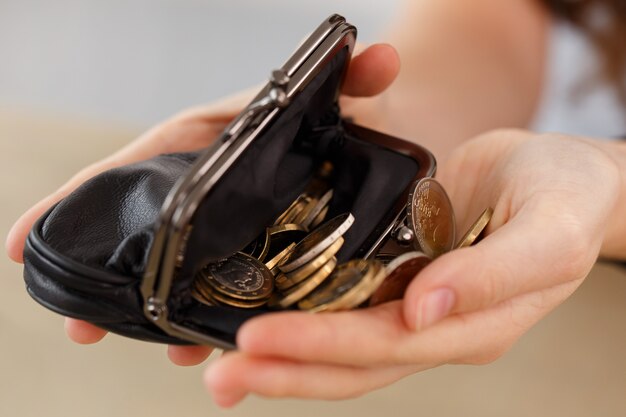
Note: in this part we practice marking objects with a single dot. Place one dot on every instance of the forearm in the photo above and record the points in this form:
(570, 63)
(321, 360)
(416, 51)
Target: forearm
(467, 67)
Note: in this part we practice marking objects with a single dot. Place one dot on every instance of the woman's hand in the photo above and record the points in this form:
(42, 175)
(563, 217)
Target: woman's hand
(552, 196)
(370, 73)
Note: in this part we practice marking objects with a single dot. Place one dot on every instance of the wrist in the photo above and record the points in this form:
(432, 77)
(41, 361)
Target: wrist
(614, 243)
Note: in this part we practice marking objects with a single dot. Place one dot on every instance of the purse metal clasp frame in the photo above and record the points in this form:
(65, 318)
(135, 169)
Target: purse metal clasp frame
(331, 36)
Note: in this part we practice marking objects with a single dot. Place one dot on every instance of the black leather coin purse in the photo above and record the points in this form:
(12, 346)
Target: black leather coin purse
(121, 251)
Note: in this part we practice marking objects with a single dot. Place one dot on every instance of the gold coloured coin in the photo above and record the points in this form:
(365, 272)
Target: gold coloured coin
(233, 302)
(310, 205)
(304, 271)
(476, 229)
(259, 248)
(293, 210)
(431, 216)
(300, 291)
(275, 261)
(282, 236)
(345, 277)
(239, 276)
(320, 205)
(201, 297)
(282, 282)
(282, 228)
(399, 274)
(319, 218)
(286, 281)
(317, 241)
(358, 294)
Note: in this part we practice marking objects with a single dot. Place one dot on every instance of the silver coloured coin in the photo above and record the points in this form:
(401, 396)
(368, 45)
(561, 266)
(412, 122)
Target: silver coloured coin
(317, 241)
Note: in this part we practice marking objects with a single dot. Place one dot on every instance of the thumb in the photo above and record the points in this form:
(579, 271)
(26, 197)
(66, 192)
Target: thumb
(372, 71)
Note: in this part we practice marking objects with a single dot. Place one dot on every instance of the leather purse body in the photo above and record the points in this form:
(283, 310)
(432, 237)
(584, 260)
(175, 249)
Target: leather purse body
(121, 251)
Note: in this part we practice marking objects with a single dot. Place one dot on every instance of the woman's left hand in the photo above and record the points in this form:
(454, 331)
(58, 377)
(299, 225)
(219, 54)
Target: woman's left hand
(551, 196)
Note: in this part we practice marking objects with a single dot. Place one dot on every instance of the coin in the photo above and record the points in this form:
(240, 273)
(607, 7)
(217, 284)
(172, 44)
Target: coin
(239, 276)
(259, 247)
(286, 281)
(476, 229)
(320, 204)
(307, 269)
(233, 302)
(344, 278)
(282, 282)
(362, 291)
(385, 258)
(283, 235)
(399, 274)
(293, 210)
(301, 290)
(431, 216)
(319, 218)
(275, 261)
(199, 295)
(310, 205)
(317, 241)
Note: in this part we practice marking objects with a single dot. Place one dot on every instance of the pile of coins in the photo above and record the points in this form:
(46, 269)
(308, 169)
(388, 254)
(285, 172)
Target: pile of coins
(293, 263)
(432, 228)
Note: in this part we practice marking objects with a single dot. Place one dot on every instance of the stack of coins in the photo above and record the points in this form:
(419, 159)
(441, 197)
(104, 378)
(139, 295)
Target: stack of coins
(431, 218)
(305, 274)
(309, 210)
(350, 285)
(293, 263)
(238, 281)
(310, 262)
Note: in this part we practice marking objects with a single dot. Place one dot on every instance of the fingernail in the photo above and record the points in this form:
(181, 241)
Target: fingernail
(433, 307)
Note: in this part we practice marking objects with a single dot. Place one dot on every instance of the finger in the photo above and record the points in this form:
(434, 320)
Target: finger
(232, 377)
(372, 71)
(385, 340)
(327, 337)
(16, 237)
(82, 332)
(524, 255)
(188, 131)
(188, 355)
(331, 338)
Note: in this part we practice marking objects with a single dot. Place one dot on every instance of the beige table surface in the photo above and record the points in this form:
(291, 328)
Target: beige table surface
(571, 364)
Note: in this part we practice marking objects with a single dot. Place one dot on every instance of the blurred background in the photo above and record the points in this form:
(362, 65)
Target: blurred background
(80, 78)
